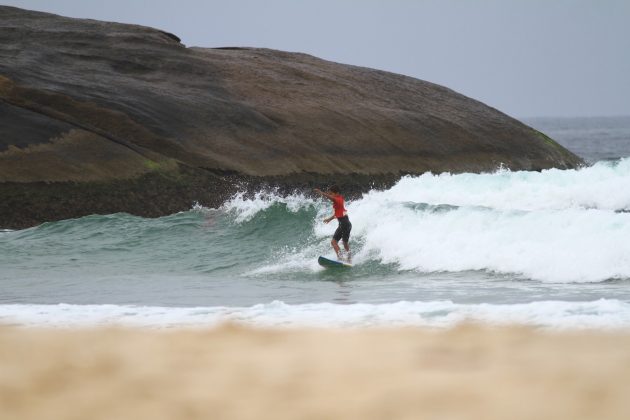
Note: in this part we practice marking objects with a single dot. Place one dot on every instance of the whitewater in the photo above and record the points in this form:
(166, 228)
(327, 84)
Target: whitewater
(548, 249)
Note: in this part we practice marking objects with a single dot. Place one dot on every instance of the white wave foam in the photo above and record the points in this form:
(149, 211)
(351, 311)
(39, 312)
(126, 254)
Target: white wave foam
(246, 207)
(547, 314)
(601, 186)
(568, 232)
(552, 226)
(554, 246)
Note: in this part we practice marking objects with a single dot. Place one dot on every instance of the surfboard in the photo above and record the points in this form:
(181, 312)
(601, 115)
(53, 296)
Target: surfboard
(327, 262)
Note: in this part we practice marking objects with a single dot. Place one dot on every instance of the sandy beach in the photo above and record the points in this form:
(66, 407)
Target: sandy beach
(235, 372)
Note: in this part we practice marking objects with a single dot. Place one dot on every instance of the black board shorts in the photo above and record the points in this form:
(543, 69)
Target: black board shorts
(343, 231)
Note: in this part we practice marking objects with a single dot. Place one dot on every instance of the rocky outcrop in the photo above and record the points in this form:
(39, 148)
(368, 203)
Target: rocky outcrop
(90, 108)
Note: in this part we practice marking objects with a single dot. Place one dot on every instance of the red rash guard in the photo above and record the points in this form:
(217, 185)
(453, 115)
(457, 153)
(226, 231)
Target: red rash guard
(338, 202)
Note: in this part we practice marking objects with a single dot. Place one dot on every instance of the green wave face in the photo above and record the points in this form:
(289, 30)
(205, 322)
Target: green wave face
(190, 242)
(208, 243)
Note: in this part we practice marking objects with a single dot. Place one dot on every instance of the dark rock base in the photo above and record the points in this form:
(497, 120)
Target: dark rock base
(156, 194)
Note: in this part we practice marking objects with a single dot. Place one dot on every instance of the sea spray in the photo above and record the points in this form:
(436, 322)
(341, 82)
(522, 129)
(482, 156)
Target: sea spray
(602, 186)
(245, 207)
(553, 226)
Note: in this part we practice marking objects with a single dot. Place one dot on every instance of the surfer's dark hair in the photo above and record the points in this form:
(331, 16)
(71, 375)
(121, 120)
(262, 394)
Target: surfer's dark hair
(334, 189)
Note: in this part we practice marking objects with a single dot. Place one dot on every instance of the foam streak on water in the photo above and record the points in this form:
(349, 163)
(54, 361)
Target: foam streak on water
(548, 314)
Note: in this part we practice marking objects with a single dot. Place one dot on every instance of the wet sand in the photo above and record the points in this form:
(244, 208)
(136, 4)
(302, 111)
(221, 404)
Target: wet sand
(232, 372)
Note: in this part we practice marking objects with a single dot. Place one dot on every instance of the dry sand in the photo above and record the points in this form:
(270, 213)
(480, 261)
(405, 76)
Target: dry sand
(233, 372)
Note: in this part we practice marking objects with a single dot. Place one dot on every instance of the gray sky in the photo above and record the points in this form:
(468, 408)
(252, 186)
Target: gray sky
(525, 57)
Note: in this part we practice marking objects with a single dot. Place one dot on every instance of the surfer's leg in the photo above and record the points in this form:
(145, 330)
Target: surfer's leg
(345, 237)
(346, 246)
(335, 240)
(335, 246)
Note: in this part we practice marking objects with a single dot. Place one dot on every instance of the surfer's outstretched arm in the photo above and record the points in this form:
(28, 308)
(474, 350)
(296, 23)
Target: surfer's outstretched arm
(325, 194)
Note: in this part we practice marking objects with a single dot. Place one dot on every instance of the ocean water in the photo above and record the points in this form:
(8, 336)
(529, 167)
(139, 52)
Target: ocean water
(549, 249)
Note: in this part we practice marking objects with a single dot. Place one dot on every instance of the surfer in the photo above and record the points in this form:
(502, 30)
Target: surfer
(344, 228)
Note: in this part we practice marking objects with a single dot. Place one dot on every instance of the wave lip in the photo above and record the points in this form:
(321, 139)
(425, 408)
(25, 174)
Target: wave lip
(601, 186)
(602, 313)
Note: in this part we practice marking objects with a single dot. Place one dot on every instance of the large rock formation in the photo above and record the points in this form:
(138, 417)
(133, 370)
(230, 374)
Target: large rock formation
(103, 117)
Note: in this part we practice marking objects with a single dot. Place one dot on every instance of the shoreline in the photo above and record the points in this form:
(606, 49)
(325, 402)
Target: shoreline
(235, 372)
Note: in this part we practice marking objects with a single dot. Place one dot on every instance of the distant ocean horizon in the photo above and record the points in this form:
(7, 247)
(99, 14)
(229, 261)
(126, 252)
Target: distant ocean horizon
(592, 138)
(548, 249)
